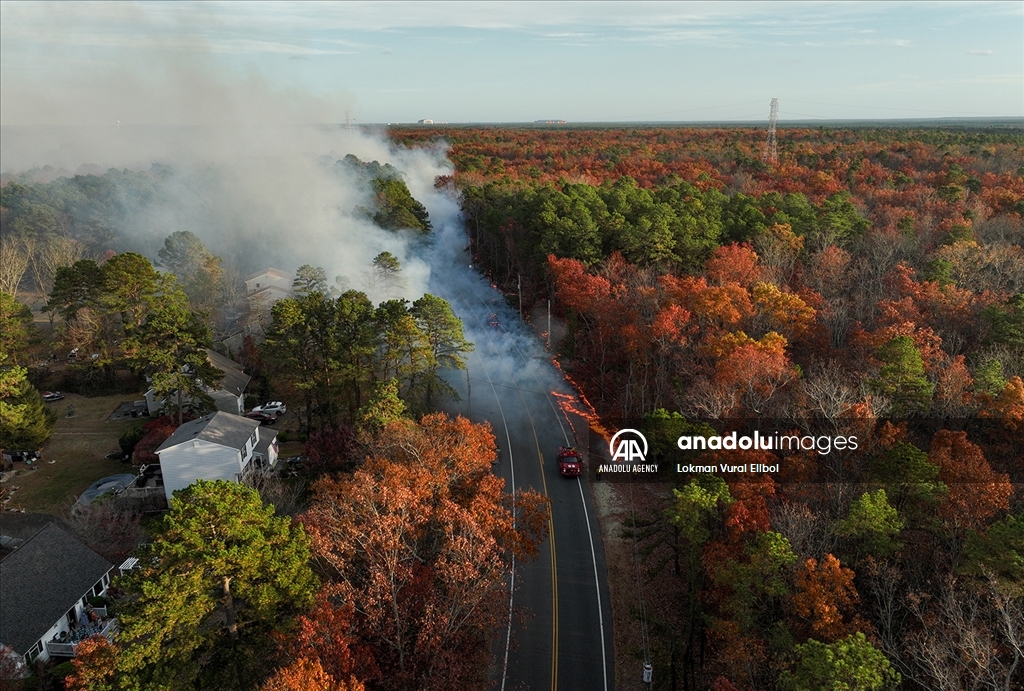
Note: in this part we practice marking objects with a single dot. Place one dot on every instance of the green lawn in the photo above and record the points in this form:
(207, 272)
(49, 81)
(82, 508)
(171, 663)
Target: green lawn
(74, 457)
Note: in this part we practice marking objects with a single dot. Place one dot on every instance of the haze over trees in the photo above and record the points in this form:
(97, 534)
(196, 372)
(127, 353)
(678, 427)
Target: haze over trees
(871, 273)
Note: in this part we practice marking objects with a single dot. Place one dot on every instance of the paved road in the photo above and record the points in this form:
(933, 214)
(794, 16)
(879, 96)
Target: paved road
(560, 634)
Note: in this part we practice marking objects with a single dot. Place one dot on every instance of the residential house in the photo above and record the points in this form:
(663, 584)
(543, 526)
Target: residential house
(219, 446)
(45, 586)
(228, 395)
(266, 287)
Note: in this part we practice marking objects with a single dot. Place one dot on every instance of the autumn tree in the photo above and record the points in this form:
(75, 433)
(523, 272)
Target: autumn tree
(327, 637)
(304, 675)
(976, 493)
(419, 539)
(825, 597)
(95, 666)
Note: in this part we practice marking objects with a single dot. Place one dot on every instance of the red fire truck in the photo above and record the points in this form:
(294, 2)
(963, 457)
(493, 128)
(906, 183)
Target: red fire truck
(570, 463)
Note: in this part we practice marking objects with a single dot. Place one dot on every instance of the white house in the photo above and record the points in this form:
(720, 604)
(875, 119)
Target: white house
(45, 586)
(228, 395)
(266, 287)
(219, 446)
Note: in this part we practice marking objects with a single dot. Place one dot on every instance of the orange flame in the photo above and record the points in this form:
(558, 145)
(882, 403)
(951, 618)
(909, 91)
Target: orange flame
(578, 404)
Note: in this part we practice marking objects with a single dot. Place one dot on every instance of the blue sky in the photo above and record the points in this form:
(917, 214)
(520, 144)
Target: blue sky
(185, 63)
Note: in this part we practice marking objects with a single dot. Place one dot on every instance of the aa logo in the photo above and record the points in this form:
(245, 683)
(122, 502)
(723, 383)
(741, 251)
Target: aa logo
(625, 446)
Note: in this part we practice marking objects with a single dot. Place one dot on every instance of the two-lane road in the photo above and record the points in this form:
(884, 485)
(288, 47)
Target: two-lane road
(560, 634)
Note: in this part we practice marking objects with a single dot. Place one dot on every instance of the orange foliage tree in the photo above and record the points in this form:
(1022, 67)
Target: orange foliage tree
(825, 598)
(419, 540)
(976, 493)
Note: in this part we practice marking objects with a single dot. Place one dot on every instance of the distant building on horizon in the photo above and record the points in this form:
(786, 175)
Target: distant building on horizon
(425, 121)
(549, 122)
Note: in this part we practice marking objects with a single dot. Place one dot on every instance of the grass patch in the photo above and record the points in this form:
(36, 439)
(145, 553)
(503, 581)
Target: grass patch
(77, 449)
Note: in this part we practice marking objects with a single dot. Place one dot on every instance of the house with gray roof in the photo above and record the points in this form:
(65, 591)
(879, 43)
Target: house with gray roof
(45, 586)
(219, 446)
(228, 395)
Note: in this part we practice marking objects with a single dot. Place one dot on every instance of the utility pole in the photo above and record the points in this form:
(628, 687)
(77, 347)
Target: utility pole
(771, 146)
(469, 397)
(519, 280)
(549, 324)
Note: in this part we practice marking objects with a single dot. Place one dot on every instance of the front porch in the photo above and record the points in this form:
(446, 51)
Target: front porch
(65, 643)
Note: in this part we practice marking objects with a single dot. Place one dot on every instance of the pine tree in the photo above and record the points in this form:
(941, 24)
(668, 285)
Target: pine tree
(901, 378)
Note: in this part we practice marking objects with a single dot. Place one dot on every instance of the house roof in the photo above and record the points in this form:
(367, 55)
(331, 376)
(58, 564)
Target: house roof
(217, 428)
(267, 437)
(271, 271)
(235, 380)
(41, 581)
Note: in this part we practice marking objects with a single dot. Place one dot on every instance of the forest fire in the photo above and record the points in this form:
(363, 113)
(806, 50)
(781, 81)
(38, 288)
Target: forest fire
(578, 404)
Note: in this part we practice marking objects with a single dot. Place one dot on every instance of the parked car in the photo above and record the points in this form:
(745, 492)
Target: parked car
(272, 407)
(50, 396)
(264, 418)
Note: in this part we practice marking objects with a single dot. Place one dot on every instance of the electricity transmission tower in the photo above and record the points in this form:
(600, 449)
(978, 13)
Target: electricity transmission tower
(771, 147)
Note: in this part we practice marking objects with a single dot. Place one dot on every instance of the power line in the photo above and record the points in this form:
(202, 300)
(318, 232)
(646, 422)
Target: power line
(771, 146)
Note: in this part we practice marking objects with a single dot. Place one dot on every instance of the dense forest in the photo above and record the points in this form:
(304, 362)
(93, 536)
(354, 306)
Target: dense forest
(871, 279)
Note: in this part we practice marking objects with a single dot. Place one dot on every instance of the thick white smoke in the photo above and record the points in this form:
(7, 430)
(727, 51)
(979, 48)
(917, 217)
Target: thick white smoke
(251, 159)
(251, 164)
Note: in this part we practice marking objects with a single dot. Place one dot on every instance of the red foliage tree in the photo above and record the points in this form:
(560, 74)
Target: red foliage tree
(825, 598)
(976, 493)
(95, 665)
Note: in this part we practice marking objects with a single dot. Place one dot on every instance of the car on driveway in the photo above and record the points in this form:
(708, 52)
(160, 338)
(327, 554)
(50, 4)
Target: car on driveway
(271, 407)
(50, 396)
(262, 417)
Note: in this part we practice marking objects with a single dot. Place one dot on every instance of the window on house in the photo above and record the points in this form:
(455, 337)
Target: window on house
(34, 651)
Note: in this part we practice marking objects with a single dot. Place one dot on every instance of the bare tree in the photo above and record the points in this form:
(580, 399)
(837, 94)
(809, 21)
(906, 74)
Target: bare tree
(286, 496)
(970, 636)
(45, 258)
(13, 263)
(777, 252)
(111, 528)
(808, 533)
(828, 390)
(709, 400)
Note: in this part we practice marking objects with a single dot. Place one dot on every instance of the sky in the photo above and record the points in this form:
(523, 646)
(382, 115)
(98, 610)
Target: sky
(181, 63)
